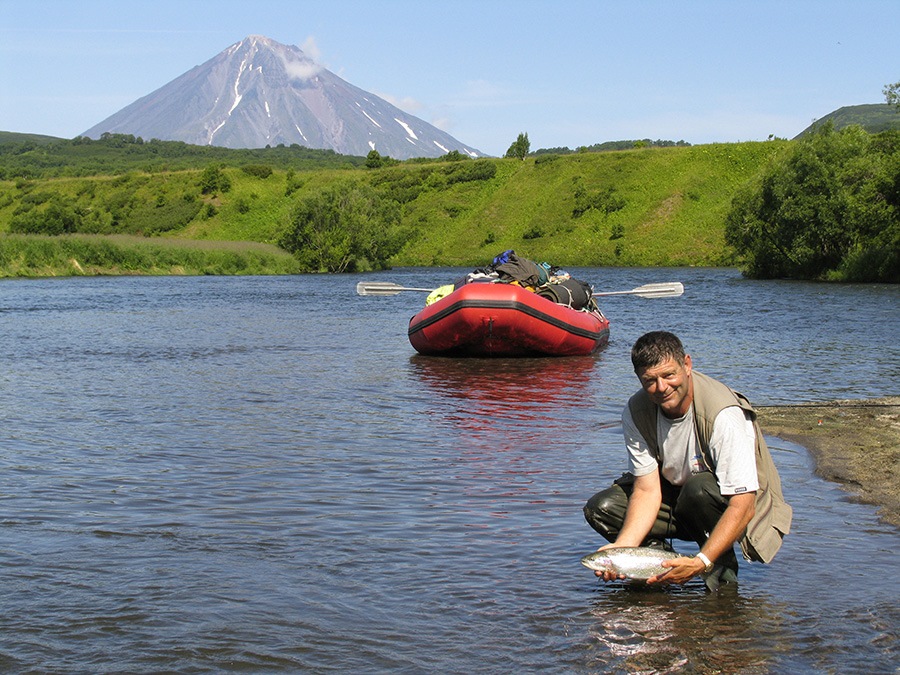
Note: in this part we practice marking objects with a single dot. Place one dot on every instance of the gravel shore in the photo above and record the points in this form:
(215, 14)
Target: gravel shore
(855, 443)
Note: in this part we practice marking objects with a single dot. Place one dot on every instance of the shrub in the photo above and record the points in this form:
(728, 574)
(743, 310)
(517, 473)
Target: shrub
(54, 218)
(258, 170)
(481, 169)
(213, 180)
(605, 201)
(154, 219)
(292, 183)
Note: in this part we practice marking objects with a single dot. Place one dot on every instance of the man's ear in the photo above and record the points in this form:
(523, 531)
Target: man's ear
(687, 364)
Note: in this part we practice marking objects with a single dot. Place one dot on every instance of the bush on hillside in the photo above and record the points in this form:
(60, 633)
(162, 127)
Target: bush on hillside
(604, 200)
(258, 170)
(54, 217)
(213, 180)
(481, 169)
(162, 216)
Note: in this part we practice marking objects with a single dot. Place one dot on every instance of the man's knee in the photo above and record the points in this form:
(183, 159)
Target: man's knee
(700, 500)
(605, 511)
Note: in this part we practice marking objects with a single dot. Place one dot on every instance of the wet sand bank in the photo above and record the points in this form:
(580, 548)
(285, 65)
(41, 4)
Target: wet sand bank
(853, 442)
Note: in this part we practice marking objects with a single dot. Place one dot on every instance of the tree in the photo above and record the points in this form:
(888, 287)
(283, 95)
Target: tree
(373, 160)
(347, 227)
(520, 147)
(892, 94)
(829, 209)
(213, 180)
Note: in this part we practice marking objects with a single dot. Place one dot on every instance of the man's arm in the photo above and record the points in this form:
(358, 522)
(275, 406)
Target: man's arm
(643, 507)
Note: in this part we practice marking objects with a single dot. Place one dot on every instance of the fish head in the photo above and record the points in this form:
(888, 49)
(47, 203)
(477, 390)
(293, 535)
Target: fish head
(599, 561)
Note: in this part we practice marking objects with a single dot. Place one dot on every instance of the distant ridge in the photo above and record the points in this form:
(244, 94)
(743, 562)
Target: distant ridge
(259, 93)
(873, 117)
(17, 137)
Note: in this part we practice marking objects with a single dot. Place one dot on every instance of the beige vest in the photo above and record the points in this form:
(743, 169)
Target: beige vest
(772, 519)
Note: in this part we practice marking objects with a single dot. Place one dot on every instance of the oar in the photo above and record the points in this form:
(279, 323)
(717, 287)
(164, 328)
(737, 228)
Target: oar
(668, 290)
(384, 288)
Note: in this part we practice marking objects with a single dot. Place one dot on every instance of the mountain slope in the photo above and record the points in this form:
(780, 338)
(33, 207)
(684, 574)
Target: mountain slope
(259, 92)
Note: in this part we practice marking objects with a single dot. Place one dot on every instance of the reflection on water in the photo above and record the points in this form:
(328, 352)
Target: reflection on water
(504, 398)
(683, 630)
(260, 474)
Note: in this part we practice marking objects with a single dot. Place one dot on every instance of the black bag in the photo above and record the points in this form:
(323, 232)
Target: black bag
(569, 292)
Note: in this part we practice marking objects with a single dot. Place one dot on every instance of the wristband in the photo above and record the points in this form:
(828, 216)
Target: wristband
(706, 561)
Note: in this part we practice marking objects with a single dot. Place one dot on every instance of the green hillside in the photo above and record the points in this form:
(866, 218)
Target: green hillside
(873, 117)
(659, 206)
(649, 206)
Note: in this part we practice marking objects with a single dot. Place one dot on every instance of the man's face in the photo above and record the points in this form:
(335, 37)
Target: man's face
(669, 386)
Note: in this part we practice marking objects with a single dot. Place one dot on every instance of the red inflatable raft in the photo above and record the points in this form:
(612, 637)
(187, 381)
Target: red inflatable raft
(498, 319)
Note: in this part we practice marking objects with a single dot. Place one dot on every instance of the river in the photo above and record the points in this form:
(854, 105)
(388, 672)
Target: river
(258, 474)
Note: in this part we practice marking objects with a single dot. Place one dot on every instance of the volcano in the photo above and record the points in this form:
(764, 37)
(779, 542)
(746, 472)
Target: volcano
(259, 93)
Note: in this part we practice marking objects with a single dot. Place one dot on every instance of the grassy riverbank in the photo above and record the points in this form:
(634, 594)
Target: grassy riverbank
(79, 255)
(641, 207)
(855, 443)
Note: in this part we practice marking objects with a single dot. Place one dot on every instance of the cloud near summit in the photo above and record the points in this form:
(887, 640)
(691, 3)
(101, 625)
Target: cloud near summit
(305, 69)
(300, 70)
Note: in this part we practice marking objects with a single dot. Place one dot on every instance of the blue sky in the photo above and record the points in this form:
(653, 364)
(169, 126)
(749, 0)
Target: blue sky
(567, 73)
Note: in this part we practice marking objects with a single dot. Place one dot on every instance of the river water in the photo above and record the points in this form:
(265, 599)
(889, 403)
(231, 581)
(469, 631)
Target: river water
(205, 475)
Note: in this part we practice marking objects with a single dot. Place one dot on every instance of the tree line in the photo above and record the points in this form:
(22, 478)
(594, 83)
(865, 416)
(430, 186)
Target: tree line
(117, 154)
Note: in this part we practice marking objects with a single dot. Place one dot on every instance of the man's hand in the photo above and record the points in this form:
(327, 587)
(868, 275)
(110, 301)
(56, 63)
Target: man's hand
(680, 570)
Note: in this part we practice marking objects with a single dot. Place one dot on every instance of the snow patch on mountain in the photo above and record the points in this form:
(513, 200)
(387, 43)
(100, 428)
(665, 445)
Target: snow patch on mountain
(407, 127)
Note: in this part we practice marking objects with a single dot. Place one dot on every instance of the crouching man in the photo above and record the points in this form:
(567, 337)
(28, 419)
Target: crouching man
(699, 470)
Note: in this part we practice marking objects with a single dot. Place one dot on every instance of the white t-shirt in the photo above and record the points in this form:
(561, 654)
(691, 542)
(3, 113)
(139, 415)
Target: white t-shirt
(732, 447)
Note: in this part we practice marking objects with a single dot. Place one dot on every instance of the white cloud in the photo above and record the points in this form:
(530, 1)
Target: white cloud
(311, 49)
(307, 68)
(301, 70)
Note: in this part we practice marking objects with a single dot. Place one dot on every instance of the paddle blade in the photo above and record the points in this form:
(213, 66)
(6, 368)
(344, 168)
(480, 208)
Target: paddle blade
(384, 288)
(671, 290)
(377, 288)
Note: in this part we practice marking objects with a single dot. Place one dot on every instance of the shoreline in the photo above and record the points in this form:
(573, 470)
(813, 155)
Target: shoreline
(853, 442)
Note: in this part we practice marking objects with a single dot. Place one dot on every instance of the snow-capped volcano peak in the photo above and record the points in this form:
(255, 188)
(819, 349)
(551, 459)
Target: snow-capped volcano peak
(258, 92)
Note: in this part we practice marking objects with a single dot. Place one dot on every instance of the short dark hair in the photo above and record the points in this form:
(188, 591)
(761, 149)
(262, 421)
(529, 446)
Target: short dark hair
(655, 347)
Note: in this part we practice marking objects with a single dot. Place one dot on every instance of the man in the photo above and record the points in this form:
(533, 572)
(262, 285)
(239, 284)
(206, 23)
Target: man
(700, 471)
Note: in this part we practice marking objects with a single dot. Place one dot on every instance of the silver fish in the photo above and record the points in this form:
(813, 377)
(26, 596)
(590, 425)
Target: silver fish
(635, 562)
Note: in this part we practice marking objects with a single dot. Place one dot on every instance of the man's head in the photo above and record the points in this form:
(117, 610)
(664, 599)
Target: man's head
(653, 348)
(664, 370)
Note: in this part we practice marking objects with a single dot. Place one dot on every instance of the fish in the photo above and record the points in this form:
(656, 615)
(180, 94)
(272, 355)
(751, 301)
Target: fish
(635, 562)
